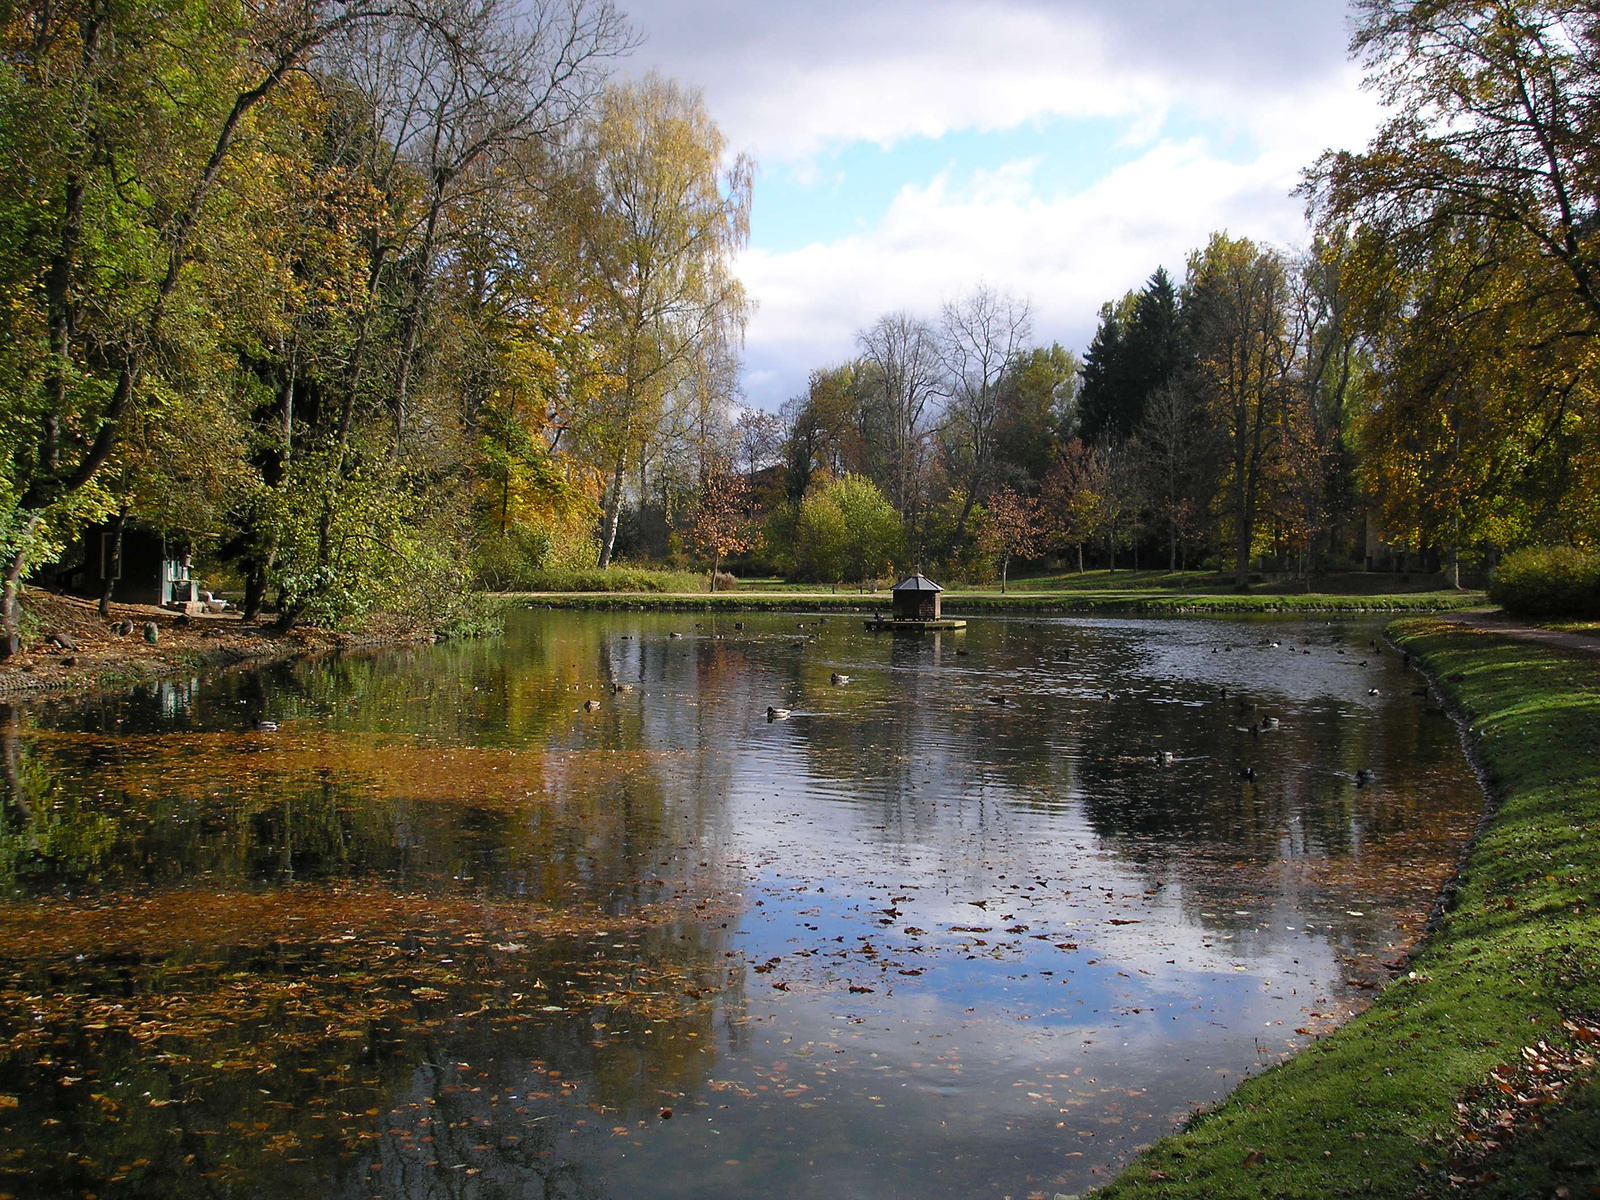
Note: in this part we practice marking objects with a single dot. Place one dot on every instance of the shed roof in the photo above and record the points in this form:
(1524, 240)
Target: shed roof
(917, 583)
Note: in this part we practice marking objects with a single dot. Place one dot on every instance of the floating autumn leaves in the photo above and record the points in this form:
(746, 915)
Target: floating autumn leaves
(203, 1002)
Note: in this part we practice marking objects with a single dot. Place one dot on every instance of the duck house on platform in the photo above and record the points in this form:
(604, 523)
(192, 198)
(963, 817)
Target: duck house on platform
(916, 599)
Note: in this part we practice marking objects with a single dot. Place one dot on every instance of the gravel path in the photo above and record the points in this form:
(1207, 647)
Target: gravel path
(1580, 643)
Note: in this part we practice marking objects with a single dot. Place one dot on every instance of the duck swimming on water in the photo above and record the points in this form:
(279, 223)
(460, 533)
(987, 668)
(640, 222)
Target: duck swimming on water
(777, 714)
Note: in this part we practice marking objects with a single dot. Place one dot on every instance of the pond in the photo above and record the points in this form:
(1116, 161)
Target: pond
(567, 915)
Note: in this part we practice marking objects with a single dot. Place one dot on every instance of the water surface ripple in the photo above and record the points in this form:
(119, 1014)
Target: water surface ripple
(566, 915)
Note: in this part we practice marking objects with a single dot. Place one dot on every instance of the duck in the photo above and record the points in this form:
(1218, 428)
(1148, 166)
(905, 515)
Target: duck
(1165, 758)
(676, 637)
(621, 687)
(266, 727)
(962, 653)
(1269, 722)
(777, 714)
(1363, 777)
(738, 624)
(591, 705)
(838, 680)
(1247, 773)
(1374, 692)
(999, 700)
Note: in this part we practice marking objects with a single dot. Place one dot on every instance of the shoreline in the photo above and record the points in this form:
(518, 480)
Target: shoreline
(979, 603)
(102, 661)
(1473, 1072)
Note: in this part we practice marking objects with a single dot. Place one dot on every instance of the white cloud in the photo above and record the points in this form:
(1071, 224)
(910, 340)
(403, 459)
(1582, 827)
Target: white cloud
(1067, 251)
(1228, 100)
(791, 79)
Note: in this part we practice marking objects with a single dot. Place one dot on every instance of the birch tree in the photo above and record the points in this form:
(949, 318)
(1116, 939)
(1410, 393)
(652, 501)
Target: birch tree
(671, 217)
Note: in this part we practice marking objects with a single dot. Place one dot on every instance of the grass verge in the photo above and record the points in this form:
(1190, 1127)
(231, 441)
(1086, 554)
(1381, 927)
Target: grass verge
(1473, 1073)
(964, 603)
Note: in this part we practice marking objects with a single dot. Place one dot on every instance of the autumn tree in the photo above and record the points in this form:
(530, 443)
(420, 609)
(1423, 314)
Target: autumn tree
(131, 118)
(670, 218)
(720, 525)
(1008, 528)
(1237, 301)
(1476, 205)
(1177, 446)
(1072, 509)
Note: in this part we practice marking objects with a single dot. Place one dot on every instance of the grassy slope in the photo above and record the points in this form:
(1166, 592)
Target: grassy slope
(1361, 1111)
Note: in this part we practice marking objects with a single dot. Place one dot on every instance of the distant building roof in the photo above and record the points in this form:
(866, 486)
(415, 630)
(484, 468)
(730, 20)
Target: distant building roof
(917, 583)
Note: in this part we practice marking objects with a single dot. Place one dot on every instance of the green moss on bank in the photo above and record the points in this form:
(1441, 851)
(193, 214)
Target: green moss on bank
(968, 603)
(1372, 1109)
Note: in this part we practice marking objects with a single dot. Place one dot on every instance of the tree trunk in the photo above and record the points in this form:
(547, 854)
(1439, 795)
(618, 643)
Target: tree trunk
(1005, 561)
(613, 510)
(1080, 558)
(1241, 540)
(10, 600)
(113, 570)
(255, 589)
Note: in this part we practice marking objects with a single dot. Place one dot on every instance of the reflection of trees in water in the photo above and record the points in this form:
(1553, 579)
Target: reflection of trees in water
(1301, 837)
(457, 772)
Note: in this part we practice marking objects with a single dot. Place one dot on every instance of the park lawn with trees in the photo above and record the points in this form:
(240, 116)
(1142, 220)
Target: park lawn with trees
(371, 304)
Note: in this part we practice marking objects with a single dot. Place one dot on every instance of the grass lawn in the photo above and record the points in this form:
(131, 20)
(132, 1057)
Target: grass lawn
(1474, 1072)
(1066, 592)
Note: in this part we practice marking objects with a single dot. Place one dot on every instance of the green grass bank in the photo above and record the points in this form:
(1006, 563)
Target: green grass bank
(966, 603)
(1474, 1071)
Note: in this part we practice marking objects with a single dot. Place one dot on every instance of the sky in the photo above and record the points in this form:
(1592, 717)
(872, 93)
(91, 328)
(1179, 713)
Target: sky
(1060, 150)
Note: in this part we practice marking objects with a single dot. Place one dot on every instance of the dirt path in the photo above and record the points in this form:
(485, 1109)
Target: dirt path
(1580, 643)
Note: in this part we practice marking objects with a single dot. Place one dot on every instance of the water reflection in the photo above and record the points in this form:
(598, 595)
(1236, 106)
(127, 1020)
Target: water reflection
(567, 916)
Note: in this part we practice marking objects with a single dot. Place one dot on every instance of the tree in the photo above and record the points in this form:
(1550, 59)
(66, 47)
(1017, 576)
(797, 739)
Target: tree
(1071, 503)
(760, 439)
(670, 220)
(1476, 203)
(900, 378)
(131, 118)
(847, 530)
(1139, 346)
(1037, 413)
(720, 525)
(981, 338)
(453, 98)
(1237, 313)
(1008, 528)
(1177, 444)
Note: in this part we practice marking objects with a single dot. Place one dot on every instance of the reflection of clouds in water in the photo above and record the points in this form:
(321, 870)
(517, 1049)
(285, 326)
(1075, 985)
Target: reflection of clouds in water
(1182, 895)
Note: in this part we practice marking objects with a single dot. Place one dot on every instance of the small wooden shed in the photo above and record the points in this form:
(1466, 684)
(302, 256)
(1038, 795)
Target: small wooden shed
(142, 568)
(916, 599)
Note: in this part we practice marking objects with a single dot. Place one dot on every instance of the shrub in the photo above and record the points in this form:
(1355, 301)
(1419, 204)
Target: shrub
(1548, 581)
(613, 579)
(723, 582)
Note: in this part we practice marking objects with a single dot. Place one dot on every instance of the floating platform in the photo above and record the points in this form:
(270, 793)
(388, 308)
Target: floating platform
(908, 625)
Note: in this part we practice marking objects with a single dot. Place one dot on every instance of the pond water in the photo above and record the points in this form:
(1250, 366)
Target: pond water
(566, 915)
